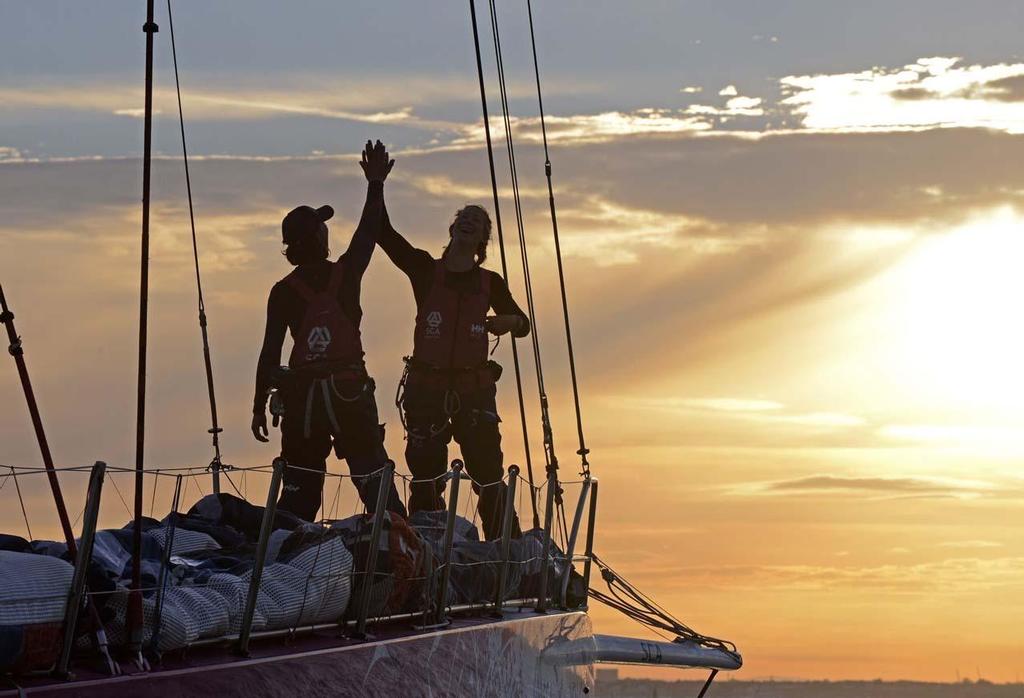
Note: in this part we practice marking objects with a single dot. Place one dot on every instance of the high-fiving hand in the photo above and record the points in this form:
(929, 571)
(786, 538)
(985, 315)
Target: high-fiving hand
(376, 162)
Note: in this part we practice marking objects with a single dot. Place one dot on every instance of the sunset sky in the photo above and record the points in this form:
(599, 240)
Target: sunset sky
(793, 233)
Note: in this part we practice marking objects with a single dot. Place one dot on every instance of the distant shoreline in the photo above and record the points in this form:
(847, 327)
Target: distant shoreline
(608, 684)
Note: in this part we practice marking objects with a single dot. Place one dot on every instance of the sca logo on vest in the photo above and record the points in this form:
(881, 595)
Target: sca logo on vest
(434, 320)
(319, 339)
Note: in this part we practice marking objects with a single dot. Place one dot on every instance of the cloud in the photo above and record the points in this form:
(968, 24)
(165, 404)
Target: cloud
(953, 576)
(736, 106)
(764, 411)
(930, 93)
(728, 91)
(874, 487)
(589, 128)
(210, 97)
(970, 544)
(727, 404)
(611, 233)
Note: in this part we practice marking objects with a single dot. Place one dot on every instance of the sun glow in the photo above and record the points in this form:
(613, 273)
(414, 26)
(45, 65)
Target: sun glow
(959, 330)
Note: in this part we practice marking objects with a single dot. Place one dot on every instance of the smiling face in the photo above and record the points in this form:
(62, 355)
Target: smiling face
(471, 227)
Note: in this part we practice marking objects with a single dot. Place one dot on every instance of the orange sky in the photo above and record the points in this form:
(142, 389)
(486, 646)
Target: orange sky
(799, 344)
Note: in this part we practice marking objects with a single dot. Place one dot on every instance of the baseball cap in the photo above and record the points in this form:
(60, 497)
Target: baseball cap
(303, 221)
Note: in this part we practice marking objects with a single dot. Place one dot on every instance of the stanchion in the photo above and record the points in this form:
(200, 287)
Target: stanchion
(549, 510)
(266, 527)
(386, 478)
(571, 545)
(441, 602)
(165, 564)
(83, 558)
(506, 537)
(591, 525)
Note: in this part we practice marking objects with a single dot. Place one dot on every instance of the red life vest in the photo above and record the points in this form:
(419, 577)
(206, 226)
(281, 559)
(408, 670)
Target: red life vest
(326, 334)
(450, 329)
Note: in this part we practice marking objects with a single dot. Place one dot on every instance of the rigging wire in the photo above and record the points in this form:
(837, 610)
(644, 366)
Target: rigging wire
(215, 429)
(583, 450)
(551, 459)
(627, 599)
(501, 247)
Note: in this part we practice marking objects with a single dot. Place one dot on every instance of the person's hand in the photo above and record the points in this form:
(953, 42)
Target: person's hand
(259, 427)
(502, 324)
(376, 162)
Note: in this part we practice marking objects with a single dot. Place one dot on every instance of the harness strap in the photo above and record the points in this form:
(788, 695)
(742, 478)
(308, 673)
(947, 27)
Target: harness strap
(301, 287)
(329, 408)
(307, 428)
(452, 402)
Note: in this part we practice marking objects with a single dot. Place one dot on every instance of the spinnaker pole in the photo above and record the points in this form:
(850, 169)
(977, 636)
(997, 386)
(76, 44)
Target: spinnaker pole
(15, 349)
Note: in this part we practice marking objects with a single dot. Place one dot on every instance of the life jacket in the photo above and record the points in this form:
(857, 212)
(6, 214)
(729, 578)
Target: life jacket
(450, 329)
(326, 334)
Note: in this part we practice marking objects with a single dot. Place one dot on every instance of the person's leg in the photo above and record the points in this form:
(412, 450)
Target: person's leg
(476, 430)
(428, 432)
(302, 491)
(361, 443)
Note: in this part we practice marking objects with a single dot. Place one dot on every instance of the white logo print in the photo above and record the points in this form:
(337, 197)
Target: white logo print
(477, 329)
(434, 320)
(319, 339)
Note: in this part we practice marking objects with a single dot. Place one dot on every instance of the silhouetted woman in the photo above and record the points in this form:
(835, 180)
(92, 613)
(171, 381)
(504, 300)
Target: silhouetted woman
(449, 386)
(327, 395)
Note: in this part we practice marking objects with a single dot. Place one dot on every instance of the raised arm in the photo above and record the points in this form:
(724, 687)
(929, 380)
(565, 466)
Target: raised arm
(270, 358)
(399, 250)
(376, 165)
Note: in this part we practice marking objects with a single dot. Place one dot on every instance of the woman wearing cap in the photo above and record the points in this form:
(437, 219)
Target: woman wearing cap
(449, 386)
(328, 397)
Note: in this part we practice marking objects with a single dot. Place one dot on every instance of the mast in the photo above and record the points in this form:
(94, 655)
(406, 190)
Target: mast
(135, 602)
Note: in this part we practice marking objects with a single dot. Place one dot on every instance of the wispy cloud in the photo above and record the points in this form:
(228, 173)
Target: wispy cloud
(930, 93)
(953, 576)
(759, 410)
(612, 233)
(728, 404)
(873, 487)
(971, 544)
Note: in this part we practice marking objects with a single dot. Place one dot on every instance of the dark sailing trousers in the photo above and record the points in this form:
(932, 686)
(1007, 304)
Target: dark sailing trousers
(472, 419)
(359, 440)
